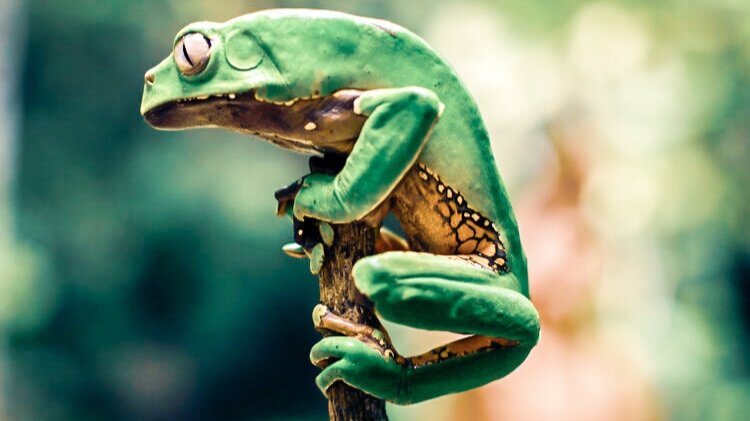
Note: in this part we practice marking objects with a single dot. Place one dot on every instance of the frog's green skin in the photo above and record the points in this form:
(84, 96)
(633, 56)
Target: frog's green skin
(327, 82)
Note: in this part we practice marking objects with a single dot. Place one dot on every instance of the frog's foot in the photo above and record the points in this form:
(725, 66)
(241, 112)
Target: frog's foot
(354, 362)
(311, 236)
(363, 358)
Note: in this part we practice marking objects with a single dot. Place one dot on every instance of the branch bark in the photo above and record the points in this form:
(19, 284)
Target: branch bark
(337, 291)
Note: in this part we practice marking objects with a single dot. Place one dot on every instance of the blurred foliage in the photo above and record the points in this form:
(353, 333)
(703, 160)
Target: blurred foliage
(158, 290)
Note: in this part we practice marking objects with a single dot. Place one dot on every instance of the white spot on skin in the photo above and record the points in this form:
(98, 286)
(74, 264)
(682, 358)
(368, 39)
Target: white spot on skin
(310, 126)
(357, 106)
(232, 96)
(286, 103)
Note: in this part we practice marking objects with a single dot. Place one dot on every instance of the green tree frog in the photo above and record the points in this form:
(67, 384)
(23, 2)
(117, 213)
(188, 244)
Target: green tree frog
(412, 143)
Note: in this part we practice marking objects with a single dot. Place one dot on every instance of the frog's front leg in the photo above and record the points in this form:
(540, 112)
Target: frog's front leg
(398, 125)
(437, 293)
(311, 235)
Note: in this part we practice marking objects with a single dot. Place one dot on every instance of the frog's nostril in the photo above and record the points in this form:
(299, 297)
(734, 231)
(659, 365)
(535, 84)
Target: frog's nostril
(149, 77)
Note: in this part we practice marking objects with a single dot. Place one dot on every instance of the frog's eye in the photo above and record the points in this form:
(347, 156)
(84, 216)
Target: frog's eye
(191, 53)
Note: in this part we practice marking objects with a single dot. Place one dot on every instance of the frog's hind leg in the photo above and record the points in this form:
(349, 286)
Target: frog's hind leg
(435, 292)
(448, 293)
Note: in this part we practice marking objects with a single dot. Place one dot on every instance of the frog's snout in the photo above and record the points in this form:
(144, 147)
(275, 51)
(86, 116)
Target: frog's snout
(150, 77)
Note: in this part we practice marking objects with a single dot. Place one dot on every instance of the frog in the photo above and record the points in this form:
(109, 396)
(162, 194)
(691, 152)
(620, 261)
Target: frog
(410, 142)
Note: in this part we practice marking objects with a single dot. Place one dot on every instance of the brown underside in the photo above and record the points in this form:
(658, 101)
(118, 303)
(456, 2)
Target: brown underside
(334, 127)
(462, 347)
(438, 219)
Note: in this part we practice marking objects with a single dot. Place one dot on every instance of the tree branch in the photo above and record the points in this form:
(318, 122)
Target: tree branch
(337, 292)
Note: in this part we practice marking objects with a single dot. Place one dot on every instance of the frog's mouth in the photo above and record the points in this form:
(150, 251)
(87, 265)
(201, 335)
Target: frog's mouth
(325, 124)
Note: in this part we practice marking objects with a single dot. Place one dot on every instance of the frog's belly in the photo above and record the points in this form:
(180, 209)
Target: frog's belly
(438, 219)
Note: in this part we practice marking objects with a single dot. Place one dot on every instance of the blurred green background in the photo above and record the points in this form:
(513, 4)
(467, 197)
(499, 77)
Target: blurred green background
(141, 275)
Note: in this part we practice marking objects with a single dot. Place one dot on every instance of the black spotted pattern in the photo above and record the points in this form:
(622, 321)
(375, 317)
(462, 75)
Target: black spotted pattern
(476, 237)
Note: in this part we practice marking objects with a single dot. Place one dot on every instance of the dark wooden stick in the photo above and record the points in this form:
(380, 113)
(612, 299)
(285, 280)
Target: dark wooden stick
(338, 293)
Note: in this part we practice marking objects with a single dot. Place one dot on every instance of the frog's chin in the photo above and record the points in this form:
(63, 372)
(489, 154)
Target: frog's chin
(311, 125)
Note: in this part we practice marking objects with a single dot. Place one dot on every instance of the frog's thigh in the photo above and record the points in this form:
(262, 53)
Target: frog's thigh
(444, 293)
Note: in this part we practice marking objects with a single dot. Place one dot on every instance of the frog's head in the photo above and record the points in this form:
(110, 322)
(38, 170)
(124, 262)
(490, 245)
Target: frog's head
(264, 73)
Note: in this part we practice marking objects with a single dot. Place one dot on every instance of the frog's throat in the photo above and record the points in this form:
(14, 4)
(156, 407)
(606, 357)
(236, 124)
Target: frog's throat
(310, 125)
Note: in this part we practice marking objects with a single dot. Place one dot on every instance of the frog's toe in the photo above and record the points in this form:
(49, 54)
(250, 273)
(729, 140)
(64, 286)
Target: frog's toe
(317, 257)
(294, 250)
(326, 233)
(332, 373)
(332, 347)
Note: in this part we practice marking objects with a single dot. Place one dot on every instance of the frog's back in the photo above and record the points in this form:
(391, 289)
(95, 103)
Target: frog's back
(346, 51)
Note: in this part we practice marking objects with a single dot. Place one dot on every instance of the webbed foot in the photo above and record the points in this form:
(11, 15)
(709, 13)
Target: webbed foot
(311, 236)
(364, 358)
(359, 365)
